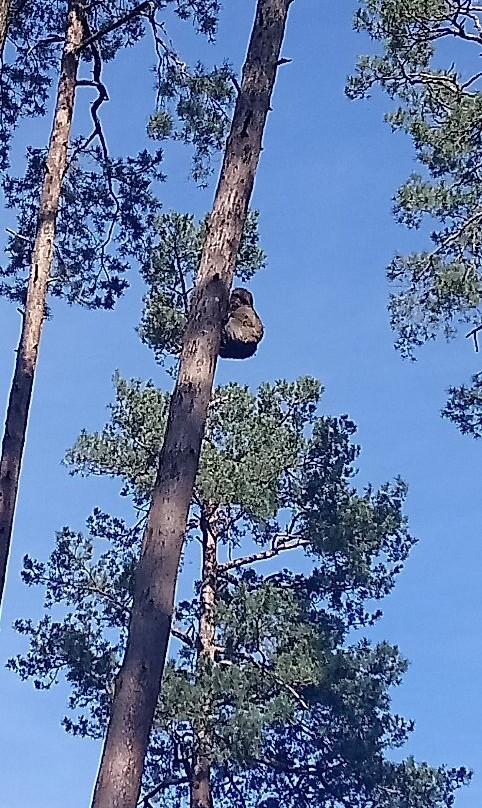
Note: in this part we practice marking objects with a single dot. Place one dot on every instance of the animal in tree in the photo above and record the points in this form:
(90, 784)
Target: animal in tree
(243, 330)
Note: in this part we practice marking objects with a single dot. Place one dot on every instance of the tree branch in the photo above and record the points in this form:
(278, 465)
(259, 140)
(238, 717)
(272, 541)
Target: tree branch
(474, 334)
(183, 636)
(266, 670)
(291, 544)
(167, 783)
(117, 24)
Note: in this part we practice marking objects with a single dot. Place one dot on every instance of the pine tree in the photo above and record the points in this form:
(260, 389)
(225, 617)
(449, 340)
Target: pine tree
(135, 698)
(29, 61)
(267, 700)
(439, 98)
(82, 211)
(170, 276)
(22, 384)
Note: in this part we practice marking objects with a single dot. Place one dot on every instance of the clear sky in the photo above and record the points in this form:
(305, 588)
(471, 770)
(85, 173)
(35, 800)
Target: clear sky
(328, 171)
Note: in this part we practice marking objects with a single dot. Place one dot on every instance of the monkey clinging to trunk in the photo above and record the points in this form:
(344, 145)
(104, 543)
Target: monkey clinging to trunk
(243, 330)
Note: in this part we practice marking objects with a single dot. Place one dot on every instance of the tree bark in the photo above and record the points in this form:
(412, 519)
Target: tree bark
(4, 14)
(200, 787)
(42, 254)
(119, 779)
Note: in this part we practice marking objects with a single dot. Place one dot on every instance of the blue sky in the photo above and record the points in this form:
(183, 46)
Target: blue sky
(327, 174)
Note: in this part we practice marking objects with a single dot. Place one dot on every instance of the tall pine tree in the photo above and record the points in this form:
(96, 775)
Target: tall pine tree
(33, 316)
(268, 699)
(80, 210)
(135, 698)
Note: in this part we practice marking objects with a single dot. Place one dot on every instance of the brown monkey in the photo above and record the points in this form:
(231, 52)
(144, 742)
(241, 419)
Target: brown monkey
(243, 330)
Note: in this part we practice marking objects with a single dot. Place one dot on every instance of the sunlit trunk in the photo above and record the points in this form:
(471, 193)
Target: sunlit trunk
(119, 778)
(33, 316)
(200, 787)
(4, 14)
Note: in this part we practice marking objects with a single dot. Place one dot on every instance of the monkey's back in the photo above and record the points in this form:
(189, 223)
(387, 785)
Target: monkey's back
(241, 334)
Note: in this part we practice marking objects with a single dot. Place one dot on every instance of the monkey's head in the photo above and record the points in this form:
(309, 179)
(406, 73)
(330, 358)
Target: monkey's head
(240, 297)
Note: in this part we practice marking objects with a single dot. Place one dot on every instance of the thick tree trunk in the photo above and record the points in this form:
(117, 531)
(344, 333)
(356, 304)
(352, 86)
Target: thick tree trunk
(119, 778)
(200, 787)
(24, 373)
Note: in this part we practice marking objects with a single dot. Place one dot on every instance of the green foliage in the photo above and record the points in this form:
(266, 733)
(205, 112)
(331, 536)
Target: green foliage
(464, 407)
(107, 206)
(295, 712)
(26, 71)
(440, 108)
(35, 38)
(105, 219)
(249, 441)
(193, 109)
(128, 446)
(204, 12)
(171, 272)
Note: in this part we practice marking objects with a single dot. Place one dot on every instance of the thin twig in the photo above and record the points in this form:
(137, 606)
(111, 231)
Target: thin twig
(18, 235)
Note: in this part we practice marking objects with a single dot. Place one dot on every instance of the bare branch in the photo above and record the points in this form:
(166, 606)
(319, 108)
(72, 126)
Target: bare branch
(18, 235)
(183, 636)
(474, 334)
(276, 549)
(114, 25)
(167, 783)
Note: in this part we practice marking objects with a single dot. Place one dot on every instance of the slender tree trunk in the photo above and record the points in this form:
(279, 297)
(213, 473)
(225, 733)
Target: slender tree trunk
(201, 763)
(9, 11)
(119, 779)
(4, 14)
(42, 254)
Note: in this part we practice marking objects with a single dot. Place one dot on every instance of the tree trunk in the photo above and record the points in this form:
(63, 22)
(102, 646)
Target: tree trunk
(9, 11)
(42, 254)
(119, 779)
(200, 787)
(4, 13)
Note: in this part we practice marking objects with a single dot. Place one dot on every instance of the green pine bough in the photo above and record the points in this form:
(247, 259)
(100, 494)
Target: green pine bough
(427, 61)
(267, 698)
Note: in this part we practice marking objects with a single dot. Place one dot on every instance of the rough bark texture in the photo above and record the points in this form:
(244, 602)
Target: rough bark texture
(119, 779)
(4, 14)
(24, 373)
(200, 787)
